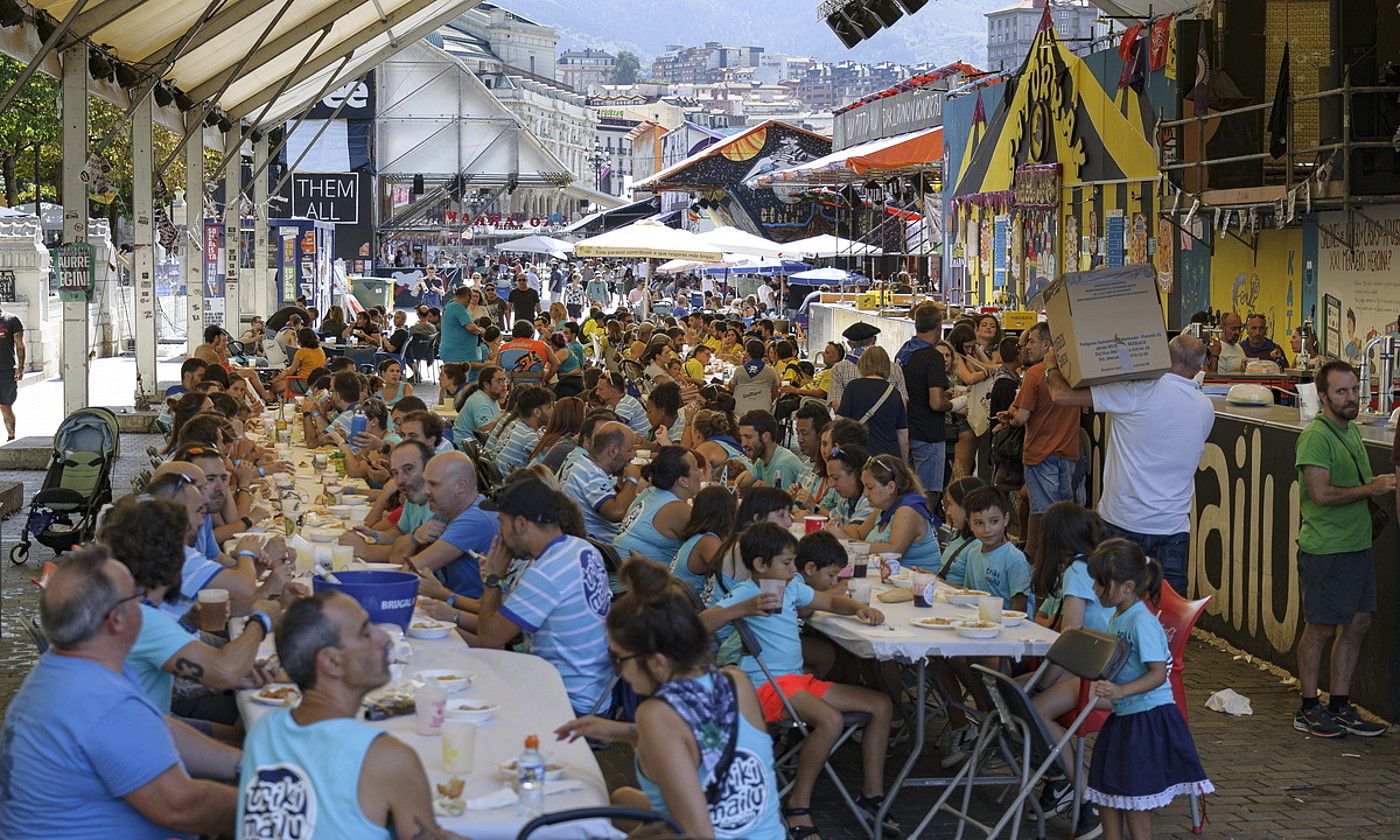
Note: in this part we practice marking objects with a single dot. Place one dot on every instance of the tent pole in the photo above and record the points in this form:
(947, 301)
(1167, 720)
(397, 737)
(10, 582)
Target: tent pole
(74, 353)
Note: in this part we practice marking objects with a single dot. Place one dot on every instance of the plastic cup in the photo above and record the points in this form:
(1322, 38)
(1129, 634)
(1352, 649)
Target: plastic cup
(858, 551)
(774, 586)
(860, 589)
(989, 609)
(306, 557)
(814, 523)
(341, 557)
(429, 706)
(213, 610)
(319, 460)
(458, 745)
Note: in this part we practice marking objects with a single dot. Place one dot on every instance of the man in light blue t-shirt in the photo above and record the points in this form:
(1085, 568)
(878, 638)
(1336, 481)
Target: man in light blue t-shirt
(83, 754)
(560, 601)
(483, 406)
(773, 465)
(461, 524)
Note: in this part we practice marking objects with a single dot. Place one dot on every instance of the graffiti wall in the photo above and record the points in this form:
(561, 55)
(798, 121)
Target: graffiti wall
(1267, 279)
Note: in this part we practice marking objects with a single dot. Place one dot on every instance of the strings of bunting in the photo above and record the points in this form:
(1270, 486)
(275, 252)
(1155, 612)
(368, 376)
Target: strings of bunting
(1248, 220)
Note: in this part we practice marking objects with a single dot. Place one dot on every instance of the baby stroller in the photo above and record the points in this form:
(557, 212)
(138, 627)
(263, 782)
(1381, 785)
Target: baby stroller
(77, 484)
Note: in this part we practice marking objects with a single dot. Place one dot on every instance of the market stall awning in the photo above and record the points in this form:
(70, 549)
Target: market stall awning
(648, 240)
(744, 146)
(607, 201)
(259, 59)
(731, 240)
(827, 245)
(606, 220)
(904, 154)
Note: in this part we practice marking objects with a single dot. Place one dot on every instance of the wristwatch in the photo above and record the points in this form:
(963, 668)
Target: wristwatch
(493, 581)
(247, 521)
(452, 600)
(262, 618)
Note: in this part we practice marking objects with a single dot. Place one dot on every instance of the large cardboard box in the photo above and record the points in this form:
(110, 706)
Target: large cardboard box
(1106, 325)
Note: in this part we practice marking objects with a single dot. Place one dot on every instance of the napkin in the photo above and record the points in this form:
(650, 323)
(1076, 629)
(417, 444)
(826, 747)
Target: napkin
(1230, 702)
(506, 795)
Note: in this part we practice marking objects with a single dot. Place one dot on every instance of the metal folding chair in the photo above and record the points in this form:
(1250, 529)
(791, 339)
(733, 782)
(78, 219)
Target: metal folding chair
(785, 760)
(1086, 654)
(601, 813)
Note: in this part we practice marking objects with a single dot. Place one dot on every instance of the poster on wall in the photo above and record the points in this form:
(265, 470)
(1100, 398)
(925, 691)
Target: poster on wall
(1138, 252)
(1071, 241)
(213, 274)
(1362, 278)
(1115, 227)
(1332, 330)
(1166, 280)
(999, 234)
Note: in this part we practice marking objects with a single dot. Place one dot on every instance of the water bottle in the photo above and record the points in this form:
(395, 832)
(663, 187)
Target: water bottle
(529, 775)
(358, 424)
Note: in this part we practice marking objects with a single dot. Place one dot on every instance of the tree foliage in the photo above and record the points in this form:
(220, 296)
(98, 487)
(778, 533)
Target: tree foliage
(626, 70)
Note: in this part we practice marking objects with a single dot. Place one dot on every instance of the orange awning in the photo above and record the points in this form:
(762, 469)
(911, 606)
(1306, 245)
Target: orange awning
(919, 151)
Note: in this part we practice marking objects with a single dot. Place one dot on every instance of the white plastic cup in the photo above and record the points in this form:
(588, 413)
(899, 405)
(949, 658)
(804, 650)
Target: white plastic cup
(213, 610)
(458, 745)
(860, 589)
(341, 557)
(774, 586)
(989, 608)
(429, 706)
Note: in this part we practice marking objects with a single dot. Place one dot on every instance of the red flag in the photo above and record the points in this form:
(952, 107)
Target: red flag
(1046, 22)
(1127, 48)
(1160, 40)
(979, 114)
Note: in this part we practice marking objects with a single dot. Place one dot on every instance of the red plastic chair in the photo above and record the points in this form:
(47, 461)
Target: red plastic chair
(1178, 617)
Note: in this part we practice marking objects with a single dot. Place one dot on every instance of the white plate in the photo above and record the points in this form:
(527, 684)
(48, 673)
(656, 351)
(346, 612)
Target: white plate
(965, 597)
(970, 630)
(927, 623)
(362, 566)
(292, 698)
(475, 711)
(552, 769)
(450, 679)
(434, 629)
(1012, 618)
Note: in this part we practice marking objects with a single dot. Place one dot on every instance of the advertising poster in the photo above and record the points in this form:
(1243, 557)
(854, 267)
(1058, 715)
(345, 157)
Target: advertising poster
(1361, 277)
(213, 274)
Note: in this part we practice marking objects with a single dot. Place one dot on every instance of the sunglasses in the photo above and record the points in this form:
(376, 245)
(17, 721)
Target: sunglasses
(877, 463)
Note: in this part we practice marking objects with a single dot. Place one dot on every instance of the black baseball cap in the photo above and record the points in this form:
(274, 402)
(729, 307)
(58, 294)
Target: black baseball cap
(527, 497)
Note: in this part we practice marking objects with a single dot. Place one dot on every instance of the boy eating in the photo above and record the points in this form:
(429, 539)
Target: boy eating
(995, 566)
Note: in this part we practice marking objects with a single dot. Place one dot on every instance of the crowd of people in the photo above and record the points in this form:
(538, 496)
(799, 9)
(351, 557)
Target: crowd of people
(613, 494)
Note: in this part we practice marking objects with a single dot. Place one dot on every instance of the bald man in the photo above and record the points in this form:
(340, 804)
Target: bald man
(1227, 354)
(85, 753)
(591, 479)
(1155, 442)
(450, 482)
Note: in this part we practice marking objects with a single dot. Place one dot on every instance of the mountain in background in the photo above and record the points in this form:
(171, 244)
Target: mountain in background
(943, 31)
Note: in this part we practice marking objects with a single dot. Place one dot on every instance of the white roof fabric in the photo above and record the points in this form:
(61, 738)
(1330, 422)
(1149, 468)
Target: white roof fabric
(260, 59)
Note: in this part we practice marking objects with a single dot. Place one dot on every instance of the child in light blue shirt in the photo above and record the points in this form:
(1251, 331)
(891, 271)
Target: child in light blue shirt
(995, 565)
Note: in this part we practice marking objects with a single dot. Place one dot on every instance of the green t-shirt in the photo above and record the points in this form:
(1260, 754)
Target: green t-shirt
(1337, 528)
(413, 515)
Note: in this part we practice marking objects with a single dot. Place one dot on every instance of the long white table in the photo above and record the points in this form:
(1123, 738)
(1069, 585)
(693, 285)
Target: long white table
(899, 641)
(531, 699)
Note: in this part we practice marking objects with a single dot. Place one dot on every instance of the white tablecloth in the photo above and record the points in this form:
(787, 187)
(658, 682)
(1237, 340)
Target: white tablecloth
(531, 698)
(900, 641)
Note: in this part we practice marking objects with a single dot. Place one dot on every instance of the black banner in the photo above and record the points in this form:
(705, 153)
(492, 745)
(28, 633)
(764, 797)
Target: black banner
(357, 96)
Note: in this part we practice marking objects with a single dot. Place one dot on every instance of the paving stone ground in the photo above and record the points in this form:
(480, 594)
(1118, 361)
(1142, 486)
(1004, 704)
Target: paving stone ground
(1272, 782)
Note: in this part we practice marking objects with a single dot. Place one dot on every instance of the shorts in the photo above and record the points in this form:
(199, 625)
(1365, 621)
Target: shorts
(1337, 586)
(791, 684)
(930, 461)
(9, 388)
(1050, 481)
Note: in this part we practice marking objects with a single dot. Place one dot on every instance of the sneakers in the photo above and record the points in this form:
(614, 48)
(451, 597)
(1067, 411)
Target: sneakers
(1089, 824)
(1320, 723)
(1057, 798)
(1348, 720)
(960, 744)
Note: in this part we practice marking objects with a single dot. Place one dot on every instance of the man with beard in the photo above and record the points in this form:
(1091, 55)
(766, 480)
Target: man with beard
(590, 479)
(394, 543)
(1335, 569)
(316, 764)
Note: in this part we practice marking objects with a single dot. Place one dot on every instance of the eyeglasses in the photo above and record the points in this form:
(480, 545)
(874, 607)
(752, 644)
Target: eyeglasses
(139, 593)
(617, 660)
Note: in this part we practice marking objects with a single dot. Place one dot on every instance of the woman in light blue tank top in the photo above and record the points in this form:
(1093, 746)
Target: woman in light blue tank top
(653, 525)
(658, 645)
(711, 519)
(903, 523)
(290, 773)
(395, 389)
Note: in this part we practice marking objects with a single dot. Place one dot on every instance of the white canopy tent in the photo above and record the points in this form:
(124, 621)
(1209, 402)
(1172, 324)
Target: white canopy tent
(732, 240)
(827, 245)
(537, 244)
(825, 275)
(648, 240)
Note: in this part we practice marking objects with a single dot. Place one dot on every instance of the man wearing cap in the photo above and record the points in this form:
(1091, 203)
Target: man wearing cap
(561, 599)
(860, 336)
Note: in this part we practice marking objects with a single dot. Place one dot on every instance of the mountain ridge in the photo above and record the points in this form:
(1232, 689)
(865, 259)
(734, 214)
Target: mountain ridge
(942, 32)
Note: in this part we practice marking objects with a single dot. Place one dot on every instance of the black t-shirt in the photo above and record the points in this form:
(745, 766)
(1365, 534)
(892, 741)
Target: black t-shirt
(923, 371)
(1004, 388)
(859, 397)
(9, 328)
(396, 341)
(280, 318)
(526, 303)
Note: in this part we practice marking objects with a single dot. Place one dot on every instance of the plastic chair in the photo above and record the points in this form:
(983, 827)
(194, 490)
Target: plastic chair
(1178, 617)
(784, 763)
(1087, 654)
(600, 813)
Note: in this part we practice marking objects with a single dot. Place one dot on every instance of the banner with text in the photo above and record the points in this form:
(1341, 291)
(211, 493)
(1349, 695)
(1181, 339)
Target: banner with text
(1357, 264)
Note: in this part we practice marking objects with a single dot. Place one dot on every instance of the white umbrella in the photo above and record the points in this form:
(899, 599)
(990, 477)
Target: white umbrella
(827, 245)
(825, 275)
(648, 240)
(731, 240)
(537, 244)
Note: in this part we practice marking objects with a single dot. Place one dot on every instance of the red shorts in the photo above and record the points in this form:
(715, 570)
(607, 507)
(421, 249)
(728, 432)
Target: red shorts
(791, 684)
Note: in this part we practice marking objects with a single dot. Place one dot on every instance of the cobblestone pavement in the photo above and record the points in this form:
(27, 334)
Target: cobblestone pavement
(1272, 782)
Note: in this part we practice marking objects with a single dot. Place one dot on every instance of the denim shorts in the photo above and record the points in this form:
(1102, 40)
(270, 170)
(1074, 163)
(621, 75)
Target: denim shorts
(1050, 481)
(930, 461)
(1171, 550)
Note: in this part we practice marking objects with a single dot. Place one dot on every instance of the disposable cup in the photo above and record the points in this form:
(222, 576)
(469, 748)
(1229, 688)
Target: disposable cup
(429, 706)
(989, 608)
(774, 586)
(860, 589)
(814, 523)
(458, 745)
(213, 610)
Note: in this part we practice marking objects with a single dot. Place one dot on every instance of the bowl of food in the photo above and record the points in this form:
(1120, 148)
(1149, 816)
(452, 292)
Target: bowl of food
(429, 628)
(552, 769)
(1012, 618)
(965, 597)
(472, 711)
(450, 679)
(974, 629)
(933, 622)
(277, 694)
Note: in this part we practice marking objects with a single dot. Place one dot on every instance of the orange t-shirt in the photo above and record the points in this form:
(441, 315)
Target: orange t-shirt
(306, 360)
(1052, 429)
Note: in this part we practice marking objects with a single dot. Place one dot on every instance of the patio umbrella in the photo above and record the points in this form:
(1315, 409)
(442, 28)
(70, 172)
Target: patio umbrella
(827, 245)
(649, 240)
(537, 244)
(760, 265)
(731, 240)
(825, 275)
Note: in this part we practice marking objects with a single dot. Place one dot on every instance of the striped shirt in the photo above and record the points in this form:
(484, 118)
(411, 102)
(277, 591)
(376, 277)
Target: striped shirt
(561, 602)
(586, 483)
(518, 446)
(633, 414)
(500, 433)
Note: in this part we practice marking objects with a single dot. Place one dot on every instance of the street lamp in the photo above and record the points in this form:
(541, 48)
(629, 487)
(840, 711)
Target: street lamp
(599, 158)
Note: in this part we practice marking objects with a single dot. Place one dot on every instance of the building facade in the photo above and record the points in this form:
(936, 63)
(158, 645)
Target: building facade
(582, 69)
(1010, 30)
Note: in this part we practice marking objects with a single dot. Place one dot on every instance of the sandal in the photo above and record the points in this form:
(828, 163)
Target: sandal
(799, 832)
(871, 806)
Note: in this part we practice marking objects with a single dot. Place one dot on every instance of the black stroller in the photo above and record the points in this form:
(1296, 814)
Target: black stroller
(77, 484)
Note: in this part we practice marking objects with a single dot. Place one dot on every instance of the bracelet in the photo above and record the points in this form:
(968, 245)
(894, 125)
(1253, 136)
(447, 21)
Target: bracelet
(246, 520)
(632, 480)
(263, 619)
(247, 552)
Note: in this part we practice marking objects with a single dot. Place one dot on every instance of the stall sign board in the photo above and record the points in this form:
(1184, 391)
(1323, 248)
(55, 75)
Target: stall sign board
(75, 268)
(326, 196)
(1116, 227)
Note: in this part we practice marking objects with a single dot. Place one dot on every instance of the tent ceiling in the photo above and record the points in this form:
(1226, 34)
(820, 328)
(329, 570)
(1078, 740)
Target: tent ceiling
(254, 55)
